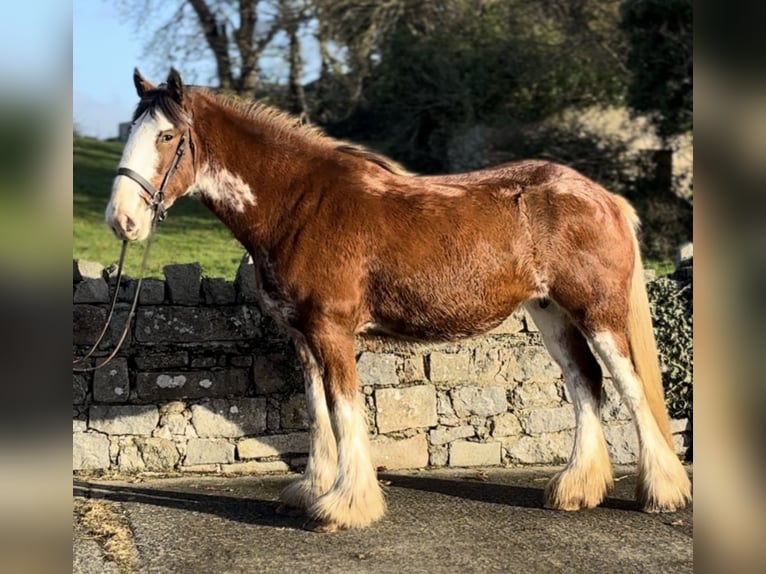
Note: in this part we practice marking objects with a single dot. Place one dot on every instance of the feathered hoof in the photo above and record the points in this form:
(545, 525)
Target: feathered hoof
(573, 489)
(340, 509)
(297, 497)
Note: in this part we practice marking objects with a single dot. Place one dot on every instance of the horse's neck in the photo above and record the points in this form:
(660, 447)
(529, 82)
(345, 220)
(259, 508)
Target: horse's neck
(248, 184)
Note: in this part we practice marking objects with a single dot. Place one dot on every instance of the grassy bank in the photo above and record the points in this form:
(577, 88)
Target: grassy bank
(190, 233)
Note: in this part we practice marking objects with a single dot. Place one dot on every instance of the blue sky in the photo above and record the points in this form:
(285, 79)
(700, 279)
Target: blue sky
(106, 46)
(105, 49)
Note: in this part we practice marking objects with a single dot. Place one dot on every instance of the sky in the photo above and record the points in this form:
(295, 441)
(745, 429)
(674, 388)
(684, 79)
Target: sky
(105, 49)
(106, 46)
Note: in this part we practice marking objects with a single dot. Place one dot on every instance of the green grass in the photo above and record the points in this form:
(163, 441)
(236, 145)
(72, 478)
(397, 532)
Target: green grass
(190, 233)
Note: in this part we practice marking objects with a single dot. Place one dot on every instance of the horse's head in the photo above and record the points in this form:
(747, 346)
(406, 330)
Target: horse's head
(157, 164)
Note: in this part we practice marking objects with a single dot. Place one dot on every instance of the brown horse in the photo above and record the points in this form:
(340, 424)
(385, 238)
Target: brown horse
(344, 241)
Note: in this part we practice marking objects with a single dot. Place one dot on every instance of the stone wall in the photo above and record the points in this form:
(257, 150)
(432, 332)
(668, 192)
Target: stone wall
(204, 382)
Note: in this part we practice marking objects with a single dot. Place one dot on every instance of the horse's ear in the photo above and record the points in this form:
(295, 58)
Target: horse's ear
(175, 86)
(142, 85)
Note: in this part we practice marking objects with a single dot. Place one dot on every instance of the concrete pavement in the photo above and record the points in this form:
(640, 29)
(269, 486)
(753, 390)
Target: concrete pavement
(474, 520)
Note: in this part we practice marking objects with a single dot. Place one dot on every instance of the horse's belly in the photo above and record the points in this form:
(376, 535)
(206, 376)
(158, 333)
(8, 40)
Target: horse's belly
(439, 321)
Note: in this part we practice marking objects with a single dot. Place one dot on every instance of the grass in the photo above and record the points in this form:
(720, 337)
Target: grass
(190, 233)
(108, 525)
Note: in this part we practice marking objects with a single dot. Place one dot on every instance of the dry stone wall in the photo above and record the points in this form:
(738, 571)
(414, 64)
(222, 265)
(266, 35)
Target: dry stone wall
(205, 382)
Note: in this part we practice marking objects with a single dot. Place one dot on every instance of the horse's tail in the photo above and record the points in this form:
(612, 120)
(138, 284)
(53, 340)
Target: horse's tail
(643, 346)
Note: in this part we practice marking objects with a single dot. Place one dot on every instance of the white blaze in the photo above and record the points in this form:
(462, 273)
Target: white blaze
(140, 155)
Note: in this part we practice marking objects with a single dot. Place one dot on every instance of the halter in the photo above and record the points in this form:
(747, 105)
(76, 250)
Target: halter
(155, 198)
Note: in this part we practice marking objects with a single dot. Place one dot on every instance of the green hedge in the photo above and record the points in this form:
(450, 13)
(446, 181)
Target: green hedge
(672, 312)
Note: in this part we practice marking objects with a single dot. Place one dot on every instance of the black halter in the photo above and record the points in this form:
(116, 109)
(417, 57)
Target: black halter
(156, 197)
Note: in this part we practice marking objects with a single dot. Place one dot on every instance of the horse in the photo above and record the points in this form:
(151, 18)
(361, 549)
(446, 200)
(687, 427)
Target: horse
(344, 241)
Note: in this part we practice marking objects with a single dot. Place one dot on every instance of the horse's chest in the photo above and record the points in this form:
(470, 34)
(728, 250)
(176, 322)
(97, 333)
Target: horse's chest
(272, 293)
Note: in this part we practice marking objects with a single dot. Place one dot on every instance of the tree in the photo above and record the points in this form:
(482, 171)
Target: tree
(511, 62)
(236, 34)
(660, 61)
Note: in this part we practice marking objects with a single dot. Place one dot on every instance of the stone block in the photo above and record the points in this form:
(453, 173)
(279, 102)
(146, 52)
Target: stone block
(175, 423)
(405, 408)
(217, 291)
(91, 291)
(200, 451)
(392, 454)
(444, 435)
(241, 361)
(449, 367)
(531, 395)
(244, 282)
(506, 424)
(680, 425)
(200, 468)
(255, 467)
(293, 413)
(551, 448)
(110, 383)
(378, 369)
(83, 269)
(549, 420)
(87, 323)
(203, 362)
(533, 364)
(162, 360)
(196, 324)
(183, 283)
(229, 418)
(152, 292)
(79, 425)
(444, 404)
(129, 459)
(488, 365)
(158, 453)
(125, 419)
(464, 453)
(413, 370)
(268, 376)
(513, 324)
(126, 290)
(273, 445)
(622, 442)
(170, 385)
(79, 389)
(439, 456)
(482, 401)
(90, 451)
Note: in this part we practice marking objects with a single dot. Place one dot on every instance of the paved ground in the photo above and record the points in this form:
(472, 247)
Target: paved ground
(438, 521)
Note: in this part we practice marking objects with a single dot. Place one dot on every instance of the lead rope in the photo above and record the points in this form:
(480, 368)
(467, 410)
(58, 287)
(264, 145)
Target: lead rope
(133, 305)
(157, 199)
(111, 308)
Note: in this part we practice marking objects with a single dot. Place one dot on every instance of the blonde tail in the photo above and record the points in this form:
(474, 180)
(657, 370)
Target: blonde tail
(643, 346)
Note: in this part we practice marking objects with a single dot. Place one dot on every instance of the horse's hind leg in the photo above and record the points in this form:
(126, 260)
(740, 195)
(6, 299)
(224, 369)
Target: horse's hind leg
(663, 485)
(299, 495)
(584, 481)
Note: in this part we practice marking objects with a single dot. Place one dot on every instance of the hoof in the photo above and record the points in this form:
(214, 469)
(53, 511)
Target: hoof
(572, 490)
(663, 488)
(324, 527)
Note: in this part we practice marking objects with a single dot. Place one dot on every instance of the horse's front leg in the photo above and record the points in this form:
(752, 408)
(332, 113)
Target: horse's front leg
(355, 499)
(321, 466)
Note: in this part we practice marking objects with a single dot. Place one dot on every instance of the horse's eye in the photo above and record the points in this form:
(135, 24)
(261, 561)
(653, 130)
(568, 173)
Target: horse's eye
(167, 137)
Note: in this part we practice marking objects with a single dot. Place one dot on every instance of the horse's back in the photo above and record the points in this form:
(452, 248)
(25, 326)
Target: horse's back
(458, 255)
